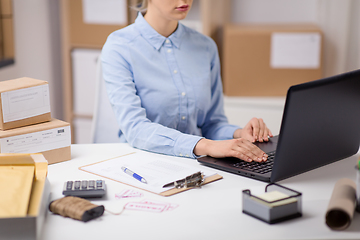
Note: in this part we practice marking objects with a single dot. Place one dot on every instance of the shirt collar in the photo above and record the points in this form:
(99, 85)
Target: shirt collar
(153, 37)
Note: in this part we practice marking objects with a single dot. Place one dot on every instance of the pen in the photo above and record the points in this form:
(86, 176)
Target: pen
(136, 176)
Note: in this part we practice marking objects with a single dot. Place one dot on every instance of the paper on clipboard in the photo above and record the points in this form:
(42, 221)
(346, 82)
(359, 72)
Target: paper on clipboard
(158, 170)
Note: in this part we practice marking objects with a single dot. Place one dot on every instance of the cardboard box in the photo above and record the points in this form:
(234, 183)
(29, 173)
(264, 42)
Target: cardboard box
(30, 226)
(264, 60)
(23, 101)
(7, 28)
(52, 139)
(82, 33)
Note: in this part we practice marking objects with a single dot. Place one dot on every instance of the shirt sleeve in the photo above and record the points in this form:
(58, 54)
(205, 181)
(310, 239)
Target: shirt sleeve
(216, 124)
(138, 130)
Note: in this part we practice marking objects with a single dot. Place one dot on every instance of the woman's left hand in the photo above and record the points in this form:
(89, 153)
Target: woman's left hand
(254, 130)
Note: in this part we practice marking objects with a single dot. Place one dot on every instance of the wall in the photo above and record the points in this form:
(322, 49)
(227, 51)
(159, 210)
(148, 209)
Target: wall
(274, 11)
(339, 21)
(37, 47)
(37, 37)
(353, 50)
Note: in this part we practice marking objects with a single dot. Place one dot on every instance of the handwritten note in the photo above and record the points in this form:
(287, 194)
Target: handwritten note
(128, 193)
(151, 206)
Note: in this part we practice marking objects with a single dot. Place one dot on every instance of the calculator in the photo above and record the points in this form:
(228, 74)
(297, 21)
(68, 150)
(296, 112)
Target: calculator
(85, 188)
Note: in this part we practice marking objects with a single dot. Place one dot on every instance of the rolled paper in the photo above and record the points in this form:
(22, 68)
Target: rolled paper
(358, 187)
(342, 205)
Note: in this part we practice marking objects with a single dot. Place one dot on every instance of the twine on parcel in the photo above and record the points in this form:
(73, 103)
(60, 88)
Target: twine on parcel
(76, 208)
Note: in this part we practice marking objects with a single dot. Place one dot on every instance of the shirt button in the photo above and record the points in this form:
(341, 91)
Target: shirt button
(183, 117)
(186, 155)
(175, 71)
(180, 155)
(183, 94)
(167, 41)
(169, 50)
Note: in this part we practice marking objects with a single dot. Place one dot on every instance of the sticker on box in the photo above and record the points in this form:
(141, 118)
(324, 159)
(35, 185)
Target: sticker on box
(25, 103)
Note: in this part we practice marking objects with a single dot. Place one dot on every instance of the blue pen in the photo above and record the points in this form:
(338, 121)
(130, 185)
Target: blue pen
(136, 176)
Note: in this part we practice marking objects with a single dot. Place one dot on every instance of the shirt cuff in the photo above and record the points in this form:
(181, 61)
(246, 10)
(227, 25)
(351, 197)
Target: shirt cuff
(228, 133)
(185, 144)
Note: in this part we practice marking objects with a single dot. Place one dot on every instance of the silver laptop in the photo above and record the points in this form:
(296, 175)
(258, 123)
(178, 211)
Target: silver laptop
(320, 125)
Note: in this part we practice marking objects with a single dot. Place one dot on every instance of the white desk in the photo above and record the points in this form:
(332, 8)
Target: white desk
(212, 212)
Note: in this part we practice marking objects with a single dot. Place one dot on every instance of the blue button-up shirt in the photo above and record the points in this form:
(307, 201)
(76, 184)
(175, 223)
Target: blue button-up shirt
(166, 92)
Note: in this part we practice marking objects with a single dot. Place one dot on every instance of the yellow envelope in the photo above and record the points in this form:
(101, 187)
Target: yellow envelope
(15, 184)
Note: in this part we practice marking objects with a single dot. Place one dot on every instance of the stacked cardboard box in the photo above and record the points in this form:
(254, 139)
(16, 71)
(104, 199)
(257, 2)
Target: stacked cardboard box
(265, 60)
(26, 125)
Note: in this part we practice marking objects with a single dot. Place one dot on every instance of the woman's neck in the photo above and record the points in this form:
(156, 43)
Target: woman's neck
(162, 25)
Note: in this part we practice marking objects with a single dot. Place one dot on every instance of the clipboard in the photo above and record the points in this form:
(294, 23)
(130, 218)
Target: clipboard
(167, 192)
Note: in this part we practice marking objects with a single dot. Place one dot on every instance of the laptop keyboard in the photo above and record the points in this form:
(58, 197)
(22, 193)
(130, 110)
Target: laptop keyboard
(257, 167)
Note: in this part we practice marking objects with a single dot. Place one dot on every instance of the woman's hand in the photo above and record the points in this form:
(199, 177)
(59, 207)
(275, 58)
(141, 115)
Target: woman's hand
(239, 148)
(254, 130)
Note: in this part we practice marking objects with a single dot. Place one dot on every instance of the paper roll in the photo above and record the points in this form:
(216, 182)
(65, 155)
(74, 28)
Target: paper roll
(342, 205)
(357, 167)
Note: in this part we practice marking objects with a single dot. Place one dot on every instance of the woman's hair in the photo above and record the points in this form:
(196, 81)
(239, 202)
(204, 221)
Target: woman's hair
(141, 5)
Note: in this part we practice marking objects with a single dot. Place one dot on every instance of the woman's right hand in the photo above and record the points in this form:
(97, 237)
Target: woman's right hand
(238, 148)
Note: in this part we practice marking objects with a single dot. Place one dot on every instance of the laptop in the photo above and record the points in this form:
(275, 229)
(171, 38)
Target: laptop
(320, 125)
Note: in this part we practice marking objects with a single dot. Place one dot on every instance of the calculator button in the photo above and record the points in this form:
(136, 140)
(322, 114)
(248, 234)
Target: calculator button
(77, 185)
(85, 188)
(84, 184)
(69, 185)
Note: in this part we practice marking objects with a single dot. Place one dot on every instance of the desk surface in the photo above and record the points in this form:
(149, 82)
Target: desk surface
(212, 212)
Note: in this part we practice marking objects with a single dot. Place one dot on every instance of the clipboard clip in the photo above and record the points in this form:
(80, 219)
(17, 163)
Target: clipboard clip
(194, 180)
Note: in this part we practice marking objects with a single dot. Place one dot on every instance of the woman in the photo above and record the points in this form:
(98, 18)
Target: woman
(163, 81)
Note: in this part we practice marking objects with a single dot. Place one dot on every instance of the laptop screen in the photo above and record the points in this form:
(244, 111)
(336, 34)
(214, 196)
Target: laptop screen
(321, 124)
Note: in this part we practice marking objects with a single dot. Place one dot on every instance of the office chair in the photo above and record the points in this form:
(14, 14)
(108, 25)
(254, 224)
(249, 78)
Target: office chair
(104, 127)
